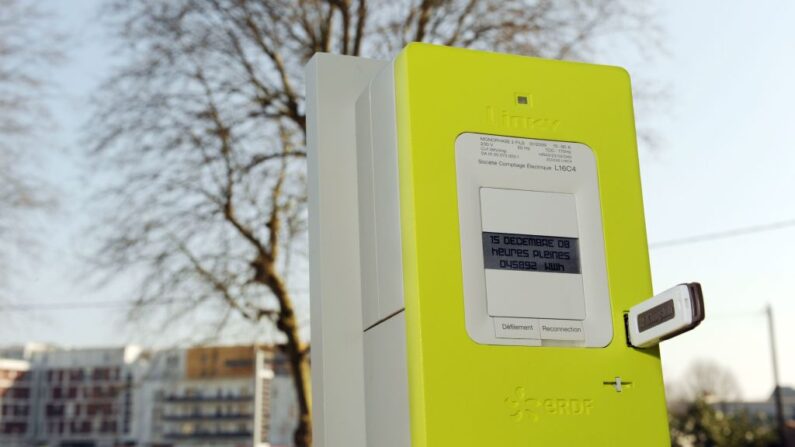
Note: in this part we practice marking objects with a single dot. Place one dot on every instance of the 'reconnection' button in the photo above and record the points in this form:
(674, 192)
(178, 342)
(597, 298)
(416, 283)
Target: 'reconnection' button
(561, 330)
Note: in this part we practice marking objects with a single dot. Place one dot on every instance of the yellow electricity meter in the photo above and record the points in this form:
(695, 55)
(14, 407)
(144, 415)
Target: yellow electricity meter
(496, 245)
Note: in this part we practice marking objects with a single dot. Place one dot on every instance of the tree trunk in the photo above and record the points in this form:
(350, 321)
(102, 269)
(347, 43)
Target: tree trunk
(296, 352)
(299, 369)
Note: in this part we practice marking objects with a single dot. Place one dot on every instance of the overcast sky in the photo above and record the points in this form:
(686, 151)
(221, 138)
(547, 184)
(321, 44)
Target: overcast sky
(726, 161)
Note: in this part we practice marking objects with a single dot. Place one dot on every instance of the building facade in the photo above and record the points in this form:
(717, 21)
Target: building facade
(16, 402)
(219, 396)
(85, 397)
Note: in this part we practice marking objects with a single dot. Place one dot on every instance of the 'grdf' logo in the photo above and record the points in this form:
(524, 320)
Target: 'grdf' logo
(522, 407)
(504, 118)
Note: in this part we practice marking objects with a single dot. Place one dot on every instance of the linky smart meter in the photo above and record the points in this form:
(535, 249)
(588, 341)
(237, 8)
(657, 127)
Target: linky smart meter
(479, 262)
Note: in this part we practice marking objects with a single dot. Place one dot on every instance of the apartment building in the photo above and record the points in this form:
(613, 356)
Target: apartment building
(85, 397)
(214, 401)
(220, 396)
(211, 396)
(16, 401)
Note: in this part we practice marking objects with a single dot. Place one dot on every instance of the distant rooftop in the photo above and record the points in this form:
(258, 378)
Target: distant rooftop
(787, 392)
(25, 351)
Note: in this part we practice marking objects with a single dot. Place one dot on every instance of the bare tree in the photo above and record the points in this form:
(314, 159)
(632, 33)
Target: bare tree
(26, 50)
(709, 380)
(203, 128)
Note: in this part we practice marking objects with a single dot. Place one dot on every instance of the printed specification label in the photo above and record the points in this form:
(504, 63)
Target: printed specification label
(526, 155)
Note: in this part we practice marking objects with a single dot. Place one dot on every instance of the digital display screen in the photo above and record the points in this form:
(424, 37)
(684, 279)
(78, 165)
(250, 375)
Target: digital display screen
(509, 251)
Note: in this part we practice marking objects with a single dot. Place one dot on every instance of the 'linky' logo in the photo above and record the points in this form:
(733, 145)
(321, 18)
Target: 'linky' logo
(504, 118)
(522, 407)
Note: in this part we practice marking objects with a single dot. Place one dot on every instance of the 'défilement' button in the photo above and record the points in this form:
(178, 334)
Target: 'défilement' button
(516, 328)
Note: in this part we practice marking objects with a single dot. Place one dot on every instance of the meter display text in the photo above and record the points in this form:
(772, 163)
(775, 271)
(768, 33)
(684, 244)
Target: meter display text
(510, 251)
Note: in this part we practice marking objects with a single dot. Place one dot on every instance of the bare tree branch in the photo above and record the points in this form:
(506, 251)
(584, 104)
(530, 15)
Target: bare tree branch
(361, 23)
(28, 46)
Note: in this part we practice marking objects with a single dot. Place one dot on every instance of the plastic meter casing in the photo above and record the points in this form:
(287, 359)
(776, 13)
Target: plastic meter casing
(521, 244)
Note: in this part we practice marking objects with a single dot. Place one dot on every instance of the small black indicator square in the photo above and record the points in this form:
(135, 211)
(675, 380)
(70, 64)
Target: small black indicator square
(521, 99)
(656, 316)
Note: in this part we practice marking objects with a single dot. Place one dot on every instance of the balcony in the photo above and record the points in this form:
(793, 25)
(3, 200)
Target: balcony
(206, 417)
(206, 435)
(216, 398)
